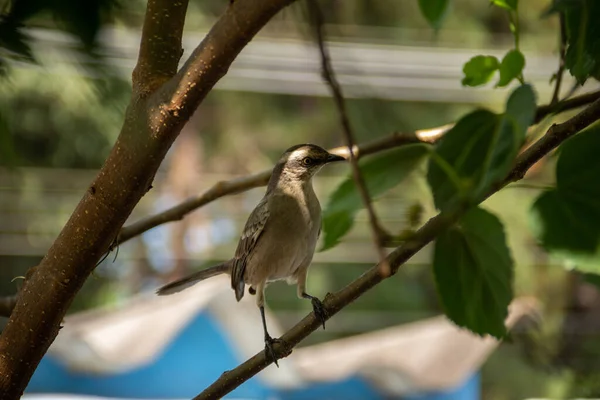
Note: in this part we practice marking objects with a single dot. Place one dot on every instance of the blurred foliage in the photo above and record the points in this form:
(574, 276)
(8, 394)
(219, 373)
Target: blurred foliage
(582, 37)
(434, 11)
(480, 69)
(49, 122)
(83, 20)
(582, 41)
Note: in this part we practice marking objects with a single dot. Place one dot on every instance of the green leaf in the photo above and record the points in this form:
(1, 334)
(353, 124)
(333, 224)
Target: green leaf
(474, 273)
(381, 173)
(560, 226)
(566, 219)
(434, 11)
(479, 70)
(511, 67)
(583, 38)
(479, 150)
(521, 107)
(510, 5)
(463, 149)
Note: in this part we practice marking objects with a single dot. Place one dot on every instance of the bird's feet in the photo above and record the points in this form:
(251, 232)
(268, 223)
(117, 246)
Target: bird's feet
(319, 310)
(270, 351)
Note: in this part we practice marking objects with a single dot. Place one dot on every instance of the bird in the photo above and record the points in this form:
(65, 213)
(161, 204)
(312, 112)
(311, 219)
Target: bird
(279, 238)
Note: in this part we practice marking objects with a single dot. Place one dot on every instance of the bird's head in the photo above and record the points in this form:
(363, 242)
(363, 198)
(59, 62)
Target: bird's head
(301, 162)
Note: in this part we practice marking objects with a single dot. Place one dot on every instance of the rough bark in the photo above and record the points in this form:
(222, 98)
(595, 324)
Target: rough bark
(162, 101)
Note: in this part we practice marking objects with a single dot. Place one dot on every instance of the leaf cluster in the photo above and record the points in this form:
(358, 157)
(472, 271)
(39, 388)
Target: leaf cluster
(81, 19)
(472, 263)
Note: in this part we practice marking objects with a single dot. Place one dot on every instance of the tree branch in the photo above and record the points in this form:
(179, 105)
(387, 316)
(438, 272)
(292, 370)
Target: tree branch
(424, 235)
(566, 105)
(218, 190)
(379, 235)
(556, 134)
(151, 125)
(238, 185)
(160, 47)
(210, 61)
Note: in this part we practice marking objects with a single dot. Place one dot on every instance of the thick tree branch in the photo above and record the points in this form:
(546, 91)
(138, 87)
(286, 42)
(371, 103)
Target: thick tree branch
(160, 48)
(426, 234)
(379, 235)
(151, 125)
(210, 61)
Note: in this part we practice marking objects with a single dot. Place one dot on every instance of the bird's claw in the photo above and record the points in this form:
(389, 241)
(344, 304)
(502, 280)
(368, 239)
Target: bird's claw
(270, 351)
(319, 310)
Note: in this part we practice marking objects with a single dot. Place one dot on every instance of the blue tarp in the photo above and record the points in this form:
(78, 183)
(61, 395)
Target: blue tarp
(198, 356)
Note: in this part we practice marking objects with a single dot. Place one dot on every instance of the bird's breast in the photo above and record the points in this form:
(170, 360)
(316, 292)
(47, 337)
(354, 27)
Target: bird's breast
(289, 238)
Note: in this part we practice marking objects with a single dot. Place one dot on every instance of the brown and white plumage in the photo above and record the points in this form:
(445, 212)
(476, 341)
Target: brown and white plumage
(280, 236)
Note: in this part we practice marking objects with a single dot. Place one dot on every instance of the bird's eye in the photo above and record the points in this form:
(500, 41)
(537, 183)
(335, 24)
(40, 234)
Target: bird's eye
(307, 161)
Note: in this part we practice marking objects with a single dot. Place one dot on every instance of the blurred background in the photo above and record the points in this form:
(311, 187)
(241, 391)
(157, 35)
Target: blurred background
(61, 116)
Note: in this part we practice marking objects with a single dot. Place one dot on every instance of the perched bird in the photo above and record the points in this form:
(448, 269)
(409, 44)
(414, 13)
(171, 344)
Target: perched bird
(280, 236)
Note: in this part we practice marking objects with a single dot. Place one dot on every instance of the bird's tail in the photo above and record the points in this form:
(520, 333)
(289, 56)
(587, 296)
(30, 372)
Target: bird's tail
(192, 279)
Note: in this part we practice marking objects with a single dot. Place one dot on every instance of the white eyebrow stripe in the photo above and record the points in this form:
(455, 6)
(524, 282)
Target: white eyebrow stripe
(298, 153)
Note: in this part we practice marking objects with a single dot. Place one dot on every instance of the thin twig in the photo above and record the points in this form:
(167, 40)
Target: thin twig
(531, 185)
(241, 184)
(561, 59)
(566, 105)
(379, 237)
(423, 236)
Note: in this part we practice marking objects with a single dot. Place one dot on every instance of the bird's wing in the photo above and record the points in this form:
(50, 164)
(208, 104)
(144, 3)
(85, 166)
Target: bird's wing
(252, 231)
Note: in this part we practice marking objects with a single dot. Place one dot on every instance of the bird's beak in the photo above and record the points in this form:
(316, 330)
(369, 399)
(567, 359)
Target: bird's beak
(333, 158)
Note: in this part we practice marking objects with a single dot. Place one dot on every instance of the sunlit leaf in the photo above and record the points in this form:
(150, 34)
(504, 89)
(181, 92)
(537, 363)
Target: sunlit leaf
(506, 4)
(462, 151)
(381, 173)
(479, 150)
(511, 67)
(434, 11)
(479, 70)
(474, 273)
